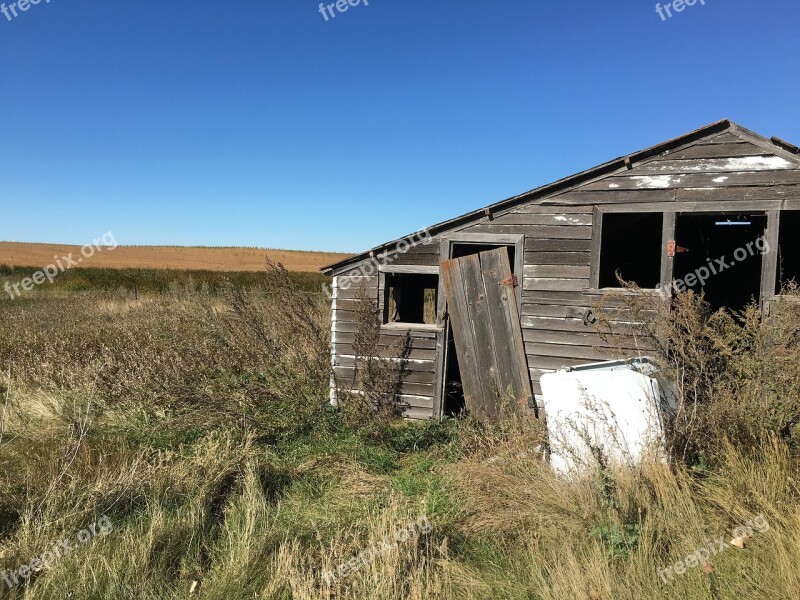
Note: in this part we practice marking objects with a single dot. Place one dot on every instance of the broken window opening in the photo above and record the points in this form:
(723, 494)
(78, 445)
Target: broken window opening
(411, 298)
(630, 246)
(788, 250)
(721, 257)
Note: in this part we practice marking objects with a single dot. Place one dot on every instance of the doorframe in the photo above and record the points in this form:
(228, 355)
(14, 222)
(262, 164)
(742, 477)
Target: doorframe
(447, 243)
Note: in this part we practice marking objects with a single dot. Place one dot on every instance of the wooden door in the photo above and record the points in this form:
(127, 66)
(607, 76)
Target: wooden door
(482, 308)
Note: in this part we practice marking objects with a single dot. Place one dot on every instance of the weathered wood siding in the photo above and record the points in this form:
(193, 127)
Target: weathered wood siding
(419, 359)
(725, 172)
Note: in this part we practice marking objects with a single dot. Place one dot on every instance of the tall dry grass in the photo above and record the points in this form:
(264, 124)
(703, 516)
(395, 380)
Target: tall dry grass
(199, 425)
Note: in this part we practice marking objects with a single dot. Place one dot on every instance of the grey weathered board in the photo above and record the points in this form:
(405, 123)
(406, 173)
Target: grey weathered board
(487, 332)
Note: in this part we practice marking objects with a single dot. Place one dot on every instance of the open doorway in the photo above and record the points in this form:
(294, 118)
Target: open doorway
(721, 255)
(452, 391)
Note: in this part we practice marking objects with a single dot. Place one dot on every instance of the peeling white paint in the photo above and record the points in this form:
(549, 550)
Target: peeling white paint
(656, 181)
(614, 185)
(720, 179)
(568, 220)
(758, 163)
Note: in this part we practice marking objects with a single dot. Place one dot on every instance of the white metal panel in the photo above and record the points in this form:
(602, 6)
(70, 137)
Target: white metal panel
(615, 410)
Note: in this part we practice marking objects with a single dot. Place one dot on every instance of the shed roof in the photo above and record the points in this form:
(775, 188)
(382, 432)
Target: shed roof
(774, 145)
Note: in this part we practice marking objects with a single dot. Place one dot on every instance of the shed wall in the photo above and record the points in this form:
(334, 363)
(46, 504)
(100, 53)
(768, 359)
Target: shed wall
(722, 173)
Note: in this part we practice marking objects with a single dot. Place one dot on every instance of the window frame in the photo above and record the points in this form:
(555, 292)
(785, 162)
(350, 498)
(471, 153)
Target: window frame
(667, 234)
(671, 210)
(383, 292)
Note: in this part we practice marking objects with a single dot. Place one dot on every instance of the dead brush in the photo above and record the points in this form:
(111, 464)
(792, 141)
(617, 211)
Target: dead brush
(373, 393)
(737, 374)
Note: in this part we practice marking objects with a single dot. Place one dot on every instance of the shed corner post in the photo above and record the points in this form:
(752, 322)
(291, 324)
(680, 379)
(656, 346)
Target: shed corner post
(442, 335)
(334, 302)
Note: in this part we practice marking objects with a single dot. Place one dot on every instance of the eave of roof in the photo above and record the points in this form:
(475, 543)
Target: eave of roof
(563, 185)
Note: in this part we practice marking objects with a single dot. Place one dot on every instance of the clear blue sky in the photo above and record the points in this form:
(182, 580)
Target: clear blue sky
(258, 123)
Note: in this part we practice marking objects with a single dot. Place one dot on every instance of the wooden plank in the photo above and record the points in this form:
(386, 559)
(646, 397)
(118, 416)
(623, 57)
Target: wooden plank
(667, 262)
(559, 297)
(726, 137)
(356, 280)
(388, 340)
(416, 401)
(734, 196)
(576, 232)
(407, 400)
(714, 165)
(536, 208)
(709, 205)
(717, 150)
(558, 258)
(427, 258)
(463, 334)
(554, 324)
(407, 329)
(507, 331)
(589, 339)
(483, 342)
(418, 414)
(566, 271)
(579, 197)
(390, 352)
(554, 363)
(622, 183)
(550, 310)
(345, 375)
(571, 351)
(555, 284)
(354, 293)
(545, 245)
(549, 220)
(411, 269)
(769, 269)
(346, 323)
(352, 305)
(597, 241)
(408, 365)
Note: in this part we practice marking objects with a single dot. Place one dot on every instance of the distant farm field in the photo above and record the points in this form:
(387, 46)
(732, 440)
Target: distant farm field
(18, 254)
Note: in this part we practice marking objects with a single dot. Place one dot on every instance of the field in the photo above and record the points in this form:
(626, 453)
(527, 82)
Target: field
(181, 443)
(174, 258)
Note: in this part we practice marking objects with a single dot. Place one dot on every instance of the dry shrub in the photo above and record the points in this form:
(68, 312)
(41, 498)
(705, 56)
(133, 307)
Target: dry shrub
(737, 374)
(372, 395)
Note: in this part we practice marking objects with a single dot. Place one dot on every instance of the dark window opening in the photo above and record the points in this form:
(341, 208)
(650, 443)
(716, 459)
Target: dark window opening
(462, 250)
(631, 248)
(788, 250)
(411, 298)
(720, 255)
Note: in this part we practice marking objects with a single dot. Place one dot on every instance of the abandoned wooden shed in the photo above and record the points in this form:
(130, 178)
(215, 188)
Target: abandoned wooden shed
(490, 301)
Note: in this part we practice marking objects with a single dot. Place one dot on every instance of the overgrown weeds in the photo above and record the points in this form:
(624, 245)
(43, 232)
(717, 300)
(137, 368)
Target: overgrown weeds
(200, 425)
(737, 374)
